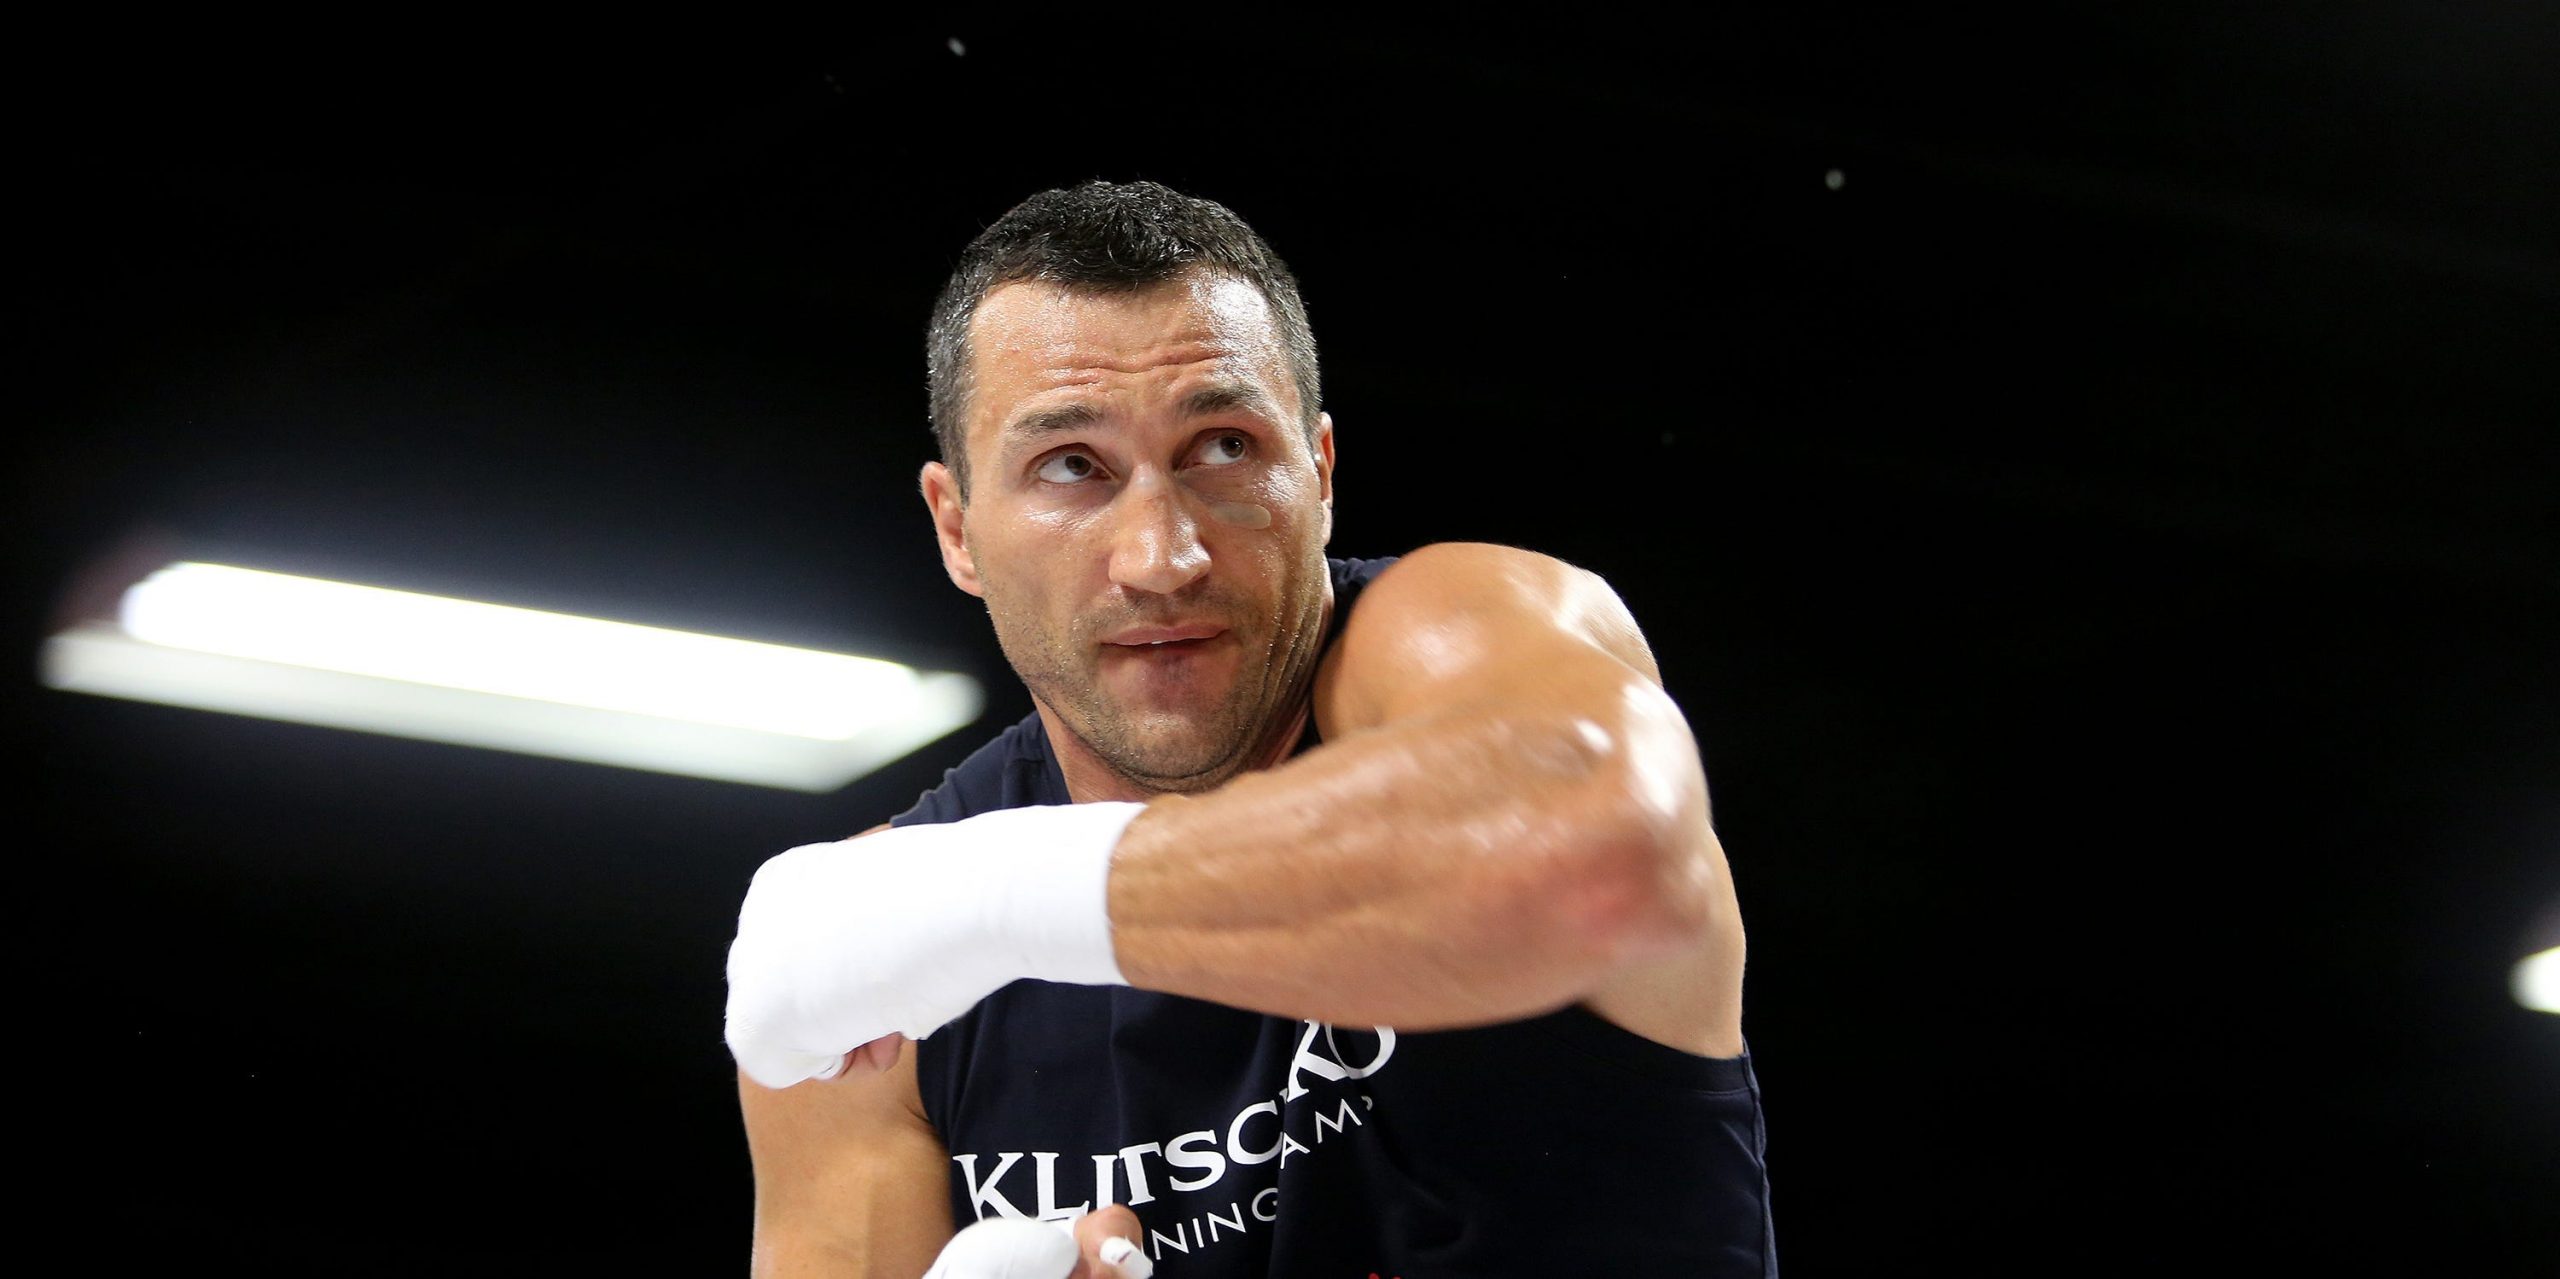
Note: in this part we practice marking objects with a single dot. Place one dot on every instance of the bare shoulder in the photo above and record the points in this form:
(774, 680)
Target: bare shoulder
(1457, 616)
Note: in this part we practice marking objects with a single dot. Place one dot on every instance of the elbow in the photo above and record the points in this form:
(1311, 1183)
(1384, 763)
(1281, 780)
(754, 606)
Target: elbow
(1638, 869)
(1645, 889)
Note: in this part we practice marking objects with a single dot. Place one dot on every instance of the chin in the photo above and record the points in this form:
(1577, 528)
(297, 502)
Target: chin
(1177, 764)
(1182, 762)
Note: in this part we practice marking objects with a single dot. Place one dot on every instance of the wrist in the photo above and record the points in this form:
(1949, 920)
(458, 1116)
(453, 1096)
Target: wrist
(839, 944)
(1049, 903)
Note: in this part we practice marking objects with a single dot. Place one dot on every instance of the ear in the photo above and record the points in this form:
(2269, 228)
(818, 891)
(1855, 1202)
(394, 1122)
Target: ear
(1324, 470)
(942, 498)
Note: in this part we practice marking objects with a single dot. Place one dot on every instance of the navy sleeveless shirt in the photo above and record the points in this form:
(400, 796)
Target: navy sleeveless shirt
(1251, 1145)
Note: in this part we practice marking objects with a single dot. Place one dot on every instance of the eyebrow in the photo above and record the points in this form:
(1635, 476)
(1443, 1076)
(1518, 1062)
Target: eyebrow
(1229, 396)
(1208, 401)
(1064, 418)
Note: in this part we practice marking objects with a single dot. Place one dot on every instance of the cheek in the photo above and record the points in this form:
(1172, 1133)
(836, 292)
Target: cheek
(1280, 495)
(1045, 528)
(1244, 515)
(1290, 497)
(1034, 550)
(1035, 561)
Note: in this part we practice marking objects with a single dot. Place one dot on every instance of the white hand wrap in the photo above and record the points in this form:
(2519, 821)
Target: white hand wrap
(839, 944)
(1006, 1248)
(1011, 1248)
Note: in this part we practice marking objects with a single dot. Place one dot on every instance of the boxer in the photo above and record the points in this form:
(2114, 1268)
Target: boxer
(1325, 917)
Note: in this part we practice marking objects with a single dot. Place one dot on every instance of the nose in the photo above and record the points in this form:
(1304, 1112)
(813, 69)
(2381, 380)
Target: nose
(1155, 544)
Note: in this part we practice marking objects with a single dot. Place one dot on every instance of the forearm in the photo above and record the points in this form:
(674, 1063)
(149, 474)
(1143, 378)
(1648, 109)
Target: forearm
(1509, 816)
(1469, 867)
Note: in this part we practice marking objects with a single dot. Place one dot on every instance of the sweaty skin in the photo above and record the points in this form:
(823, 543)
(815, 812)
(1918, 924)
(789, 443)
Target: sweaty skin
(1240, 514)
(1508, 814)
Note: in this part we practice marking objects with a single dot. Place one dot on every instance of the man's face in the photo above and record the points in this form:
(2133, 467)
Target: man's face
(1146, 519)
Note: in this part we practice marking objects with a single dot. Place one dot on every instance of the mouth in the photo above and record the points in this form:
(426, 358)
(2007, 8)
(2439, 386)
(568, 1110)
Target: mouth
(1164, 641)
(1164, 636)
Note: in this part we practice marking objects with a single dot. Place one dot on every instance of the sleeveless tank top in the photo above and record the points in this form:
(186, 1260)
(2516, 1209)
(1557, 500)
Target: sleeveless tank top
(1252, 1145)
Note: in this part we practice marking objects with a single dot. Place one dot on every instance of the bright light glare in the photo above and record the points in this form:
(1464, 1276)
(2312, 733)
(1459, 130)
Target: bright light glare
(2537, 981)
(268, 644)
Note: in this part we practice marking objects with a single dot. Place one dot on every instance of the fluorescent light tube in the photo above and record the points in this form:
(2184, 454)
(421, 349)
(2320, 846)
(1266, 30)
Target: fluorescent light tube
(248, 642)
(2537, 981)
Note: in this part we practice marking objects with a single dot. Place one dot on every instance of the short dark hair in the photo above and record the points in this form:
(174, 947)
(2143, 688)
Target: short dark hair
(1108, 238)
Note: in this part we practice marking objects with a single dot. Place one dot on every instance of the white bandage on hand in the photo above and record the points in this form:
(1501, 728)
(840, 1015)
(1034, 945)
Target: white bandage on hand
(1007, 1248)
(1012, 1248)
(839, 944)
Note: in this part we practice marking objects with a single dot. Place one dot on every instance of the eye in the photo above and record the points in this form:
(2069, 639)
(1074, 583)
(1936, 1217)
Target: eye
(1224, 448)
(1067, 468)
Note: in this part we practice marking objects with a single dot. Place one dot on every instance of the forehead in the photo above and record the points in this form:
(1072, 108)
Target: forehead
(1033, 339)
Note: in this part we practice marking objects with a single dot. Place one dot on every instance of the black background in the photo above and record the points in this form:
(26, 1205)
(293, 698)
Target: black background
(2105, 545)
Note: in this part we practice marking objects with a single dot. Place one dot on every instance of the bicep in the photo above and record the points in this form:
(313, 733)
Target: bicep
(850, 1178)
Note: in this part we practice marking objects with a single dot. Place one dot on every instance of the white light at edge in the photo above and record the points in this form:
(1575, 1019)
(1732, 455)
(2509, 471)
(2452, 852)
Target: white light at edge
(2537, 981)
(275, 646)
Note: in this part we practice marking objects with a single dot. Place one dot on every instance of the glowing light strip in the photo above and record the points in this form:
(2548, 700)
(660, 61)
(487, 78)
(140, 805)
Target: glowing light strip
(249, 642)
(2537, 981)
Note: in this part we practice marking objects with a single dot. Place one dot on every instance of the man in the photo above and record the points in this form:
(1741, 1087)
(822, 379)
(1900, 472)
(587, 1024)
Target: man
(1326, 918)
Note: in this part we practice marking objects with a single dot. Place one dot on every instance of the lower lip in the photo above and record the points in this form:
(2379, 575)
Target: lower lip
(1174, 655)
(1171, 648)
